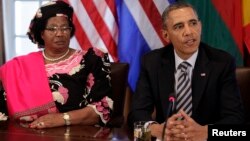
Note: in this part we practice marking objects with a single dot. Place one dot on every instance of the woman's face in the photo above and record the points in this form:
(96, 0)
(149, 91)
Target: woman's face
(56, 35)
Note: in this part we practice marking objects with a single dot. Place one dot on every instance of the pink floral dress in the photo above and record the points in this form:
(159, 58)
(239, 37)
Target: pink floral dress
(82, 80)
(79, 81)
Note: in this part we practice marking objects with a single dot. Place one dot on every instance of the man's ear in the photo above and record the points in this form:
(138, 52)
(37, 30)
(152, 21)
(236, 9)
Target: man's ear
(200, 26)
(164, 33)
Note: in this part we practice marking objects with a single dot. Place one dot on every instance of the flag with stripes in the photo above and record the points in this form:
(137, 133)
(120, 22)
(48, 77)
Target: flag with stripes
(96, 25)
(126, 29)
(139, 31)
(223, 22)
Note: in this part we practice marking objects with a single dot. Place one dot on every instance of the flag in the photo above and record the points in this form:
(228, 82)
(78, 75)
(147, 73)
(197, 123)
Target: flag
(139, 31)
(222, 25)
(96, 25)
(126, 29)
(246, 23)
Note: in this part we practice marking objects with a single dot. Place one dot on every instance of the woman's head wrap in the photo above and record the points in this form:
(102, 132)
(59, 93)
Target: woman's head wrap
(46, 11)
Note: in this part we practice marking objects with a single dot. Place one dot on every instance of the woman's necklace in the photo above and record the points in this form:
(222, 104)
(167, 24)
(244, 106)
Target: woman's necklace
(55, 59)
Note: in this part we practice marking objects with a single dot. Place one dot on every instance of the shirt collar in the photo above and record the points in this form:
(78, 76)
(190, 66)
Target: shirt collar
(191, 60)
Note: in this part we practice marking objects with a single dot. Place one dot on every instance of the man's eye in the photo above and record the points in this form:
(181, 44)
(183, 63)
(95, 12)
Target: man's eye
(178, 27)
(194, 22)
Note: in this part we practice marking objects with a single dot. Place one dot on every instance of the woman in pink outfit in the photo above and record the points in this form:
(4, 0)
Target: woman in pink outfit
(58, 85)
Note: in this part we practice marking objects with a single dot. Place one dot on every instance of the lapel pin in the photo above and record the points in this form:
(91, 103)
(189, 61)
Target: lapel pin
(203, 74)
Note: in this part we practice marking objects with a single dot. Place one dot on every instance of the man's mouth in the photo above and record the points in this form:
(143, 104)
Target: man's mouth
(190, 42)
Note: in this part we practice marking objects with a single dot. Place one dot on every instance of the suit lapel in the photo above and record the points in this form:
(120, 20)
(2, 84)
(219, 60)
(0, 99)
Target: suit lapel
(200, 77)
(166, 78)
(167, 81)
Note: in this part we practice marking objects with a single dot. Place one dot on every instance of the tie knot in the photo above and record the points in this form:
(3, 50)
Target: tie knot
(183, 66)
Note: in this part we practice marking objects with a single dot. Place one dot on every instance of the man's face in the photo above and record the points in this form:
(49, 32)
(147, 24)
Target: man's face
(183, 31)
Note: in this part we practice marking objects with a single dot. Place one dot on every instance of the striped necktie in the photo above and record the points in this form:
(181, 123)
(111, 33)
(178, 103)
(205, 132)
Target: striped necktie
(183, 89)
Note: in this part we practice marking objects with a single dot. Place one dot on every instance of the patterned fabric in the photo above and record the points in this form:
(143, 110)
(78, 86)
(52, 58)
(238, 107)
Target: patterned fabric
(79, 81)
(68, 78)
(184, 92)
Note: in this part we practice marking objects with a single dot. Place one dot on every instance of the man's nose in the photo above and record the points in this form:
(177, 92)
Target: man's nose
(187, 30)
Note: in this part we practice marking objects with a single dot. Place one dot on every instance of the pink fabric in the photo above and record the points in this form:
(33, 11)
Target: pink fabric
(66, 65)
(90, 81)
(103, 109)
(26, 84)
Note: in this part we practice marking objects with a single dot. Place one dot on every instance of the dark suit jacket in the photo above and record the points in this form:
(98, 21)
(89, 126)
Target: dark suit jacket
(216, 97)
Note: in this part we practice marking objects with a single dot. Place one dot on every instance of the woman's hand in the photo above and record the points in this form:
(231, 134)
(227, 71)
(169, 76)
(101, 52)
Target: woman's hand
(48, 121)
(84, 116)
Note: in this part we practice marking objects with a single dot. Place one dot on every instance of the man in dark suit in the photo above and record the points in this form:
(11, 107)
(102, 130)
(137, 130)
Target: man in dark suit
(215, 97)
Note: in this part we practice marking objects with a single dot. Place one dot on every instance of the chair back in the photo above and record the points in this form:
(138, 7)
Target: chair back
(243, 79)
(119, 75)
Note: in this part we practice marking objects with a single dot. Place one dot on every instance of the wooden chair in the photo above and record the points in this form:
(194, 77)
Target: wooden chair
(243, 79)
(119, 75)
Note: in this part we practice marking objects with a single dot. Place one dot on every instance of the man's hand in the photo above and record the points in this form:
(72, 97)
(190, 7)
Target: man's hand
(182, 127)
(156, 130)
